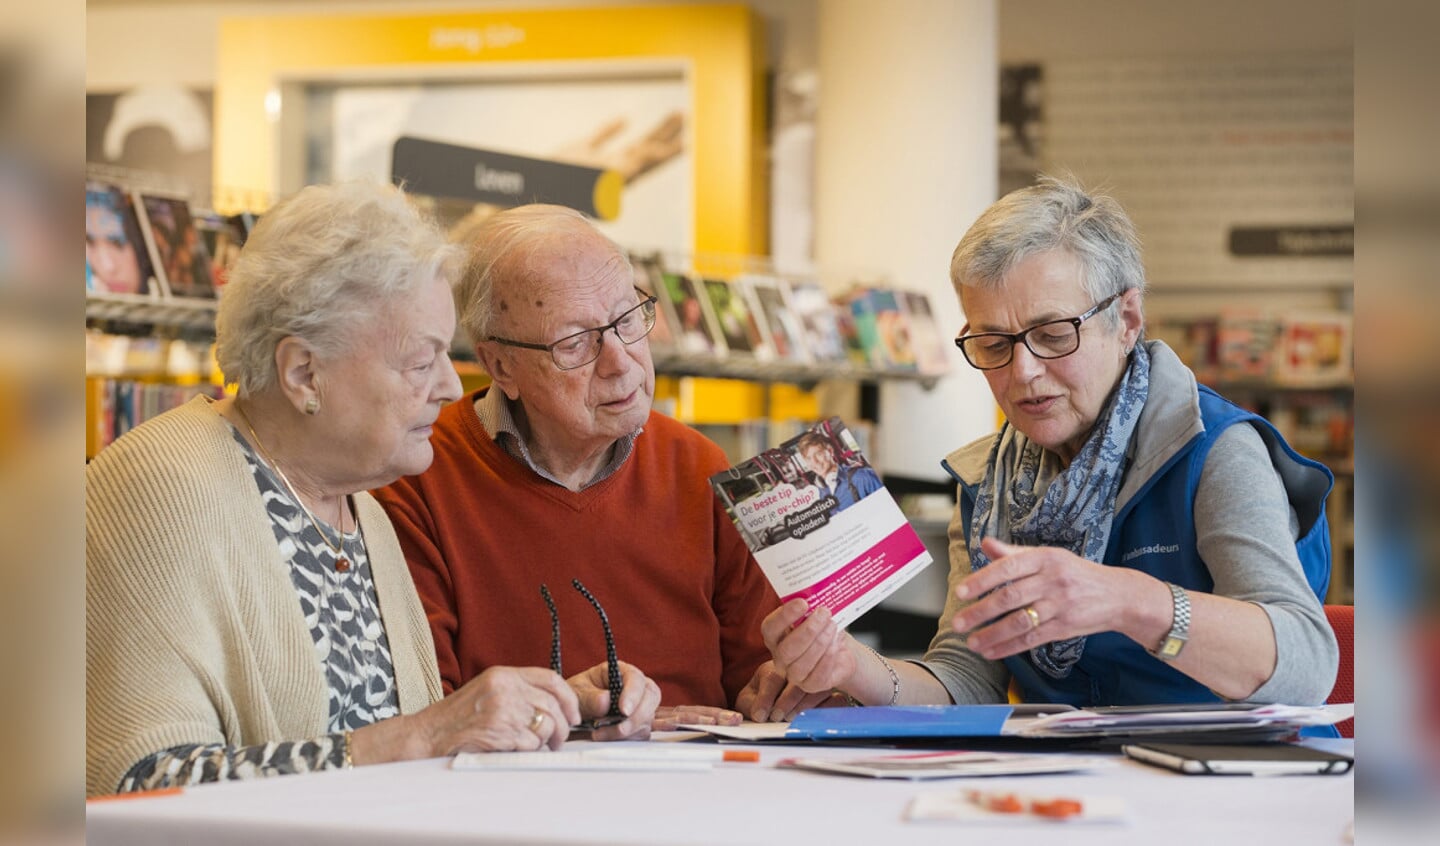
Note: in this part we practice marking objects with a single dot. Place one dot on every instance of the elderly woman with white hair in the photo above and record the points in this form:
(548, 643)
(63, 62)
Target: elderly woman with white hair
(1129, 536)
(249, 611)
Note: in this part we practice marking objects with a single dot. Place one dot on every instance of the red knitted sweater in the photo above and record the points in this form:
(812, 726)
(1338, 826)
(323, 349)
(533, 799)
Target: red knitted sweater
(482, 532)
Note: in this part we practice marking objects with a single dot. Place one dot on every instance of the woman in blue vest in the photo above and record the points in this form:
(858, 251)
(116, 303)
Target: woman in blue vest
(1128, 536)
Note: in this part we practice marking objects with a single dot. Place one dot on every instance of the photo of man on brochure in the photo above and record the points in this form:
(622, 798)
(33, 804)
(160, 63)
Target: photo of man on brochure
(844, 472)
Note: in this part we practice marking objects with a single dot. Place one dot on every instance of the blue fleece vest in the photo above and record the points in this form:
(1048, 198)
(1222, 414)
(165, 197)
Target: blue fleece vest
(1155, 533)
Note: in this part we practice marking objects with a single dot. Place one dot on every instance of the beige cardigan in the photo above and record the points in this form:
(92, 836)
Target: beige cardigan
(194, 633)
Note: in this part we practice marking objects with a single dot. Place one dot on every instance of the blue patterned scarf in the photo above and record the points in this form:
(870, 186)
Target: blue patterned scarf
(1075, 509)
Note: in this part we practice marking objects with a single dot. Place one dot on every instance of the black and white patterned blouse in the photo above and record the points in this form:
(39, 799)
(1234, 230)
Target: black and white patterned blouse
(343, 615)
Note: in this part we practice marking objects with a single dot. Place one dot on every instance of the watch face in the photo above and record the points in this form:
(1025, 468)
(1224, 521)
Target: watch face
(1171, 647)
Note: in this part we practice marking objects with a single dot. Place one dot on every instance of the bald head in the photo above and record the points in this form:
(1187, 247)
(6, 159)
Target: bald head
(522, 260)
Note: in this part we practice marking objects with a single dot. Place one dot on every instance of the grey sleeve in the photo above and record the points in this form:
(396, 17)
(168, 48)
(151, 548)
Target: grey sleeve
(967, 677)
(1245, 532)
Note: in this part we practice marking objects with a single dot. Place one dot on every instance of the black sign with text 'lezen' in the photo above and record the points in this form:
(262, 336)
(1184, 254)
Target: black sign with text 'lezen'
(503, 179)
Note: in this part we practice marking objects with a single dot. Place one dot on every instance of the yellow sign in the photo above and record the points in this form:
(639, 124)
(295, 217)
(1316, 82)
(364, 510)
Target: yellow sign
(720, 47)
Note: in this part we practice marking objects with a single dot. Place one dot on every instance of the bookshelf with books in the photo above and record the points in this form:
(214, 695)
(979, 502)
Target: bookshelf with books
(727, 328)
(749, 356)
(155, 267)
(1293, 367)
(744, 322)
(130, 379)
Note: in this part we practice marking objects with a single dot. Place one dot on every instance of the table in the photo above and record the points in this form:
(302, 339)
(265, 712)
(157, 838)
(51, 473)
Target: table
(421, 802)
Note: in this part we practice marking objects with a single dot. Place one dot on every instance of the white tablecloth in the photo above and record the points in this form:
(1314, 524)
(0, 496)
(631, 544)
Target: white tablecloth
(427, 802)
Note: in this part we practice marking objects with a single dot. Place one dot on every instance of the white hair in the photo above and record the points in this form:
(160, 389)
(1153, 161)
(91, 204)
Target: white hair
(317, 265)
(504, 243)
(1055, 213)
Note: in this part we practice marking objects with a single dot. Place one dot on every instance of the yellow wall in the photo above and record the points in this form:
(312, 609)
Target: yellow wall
(721, 47)
(703, 401)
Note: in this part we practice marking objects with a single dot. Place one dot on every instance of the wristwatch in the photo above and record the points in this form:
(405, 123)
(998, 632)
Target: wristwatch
(1175, 641)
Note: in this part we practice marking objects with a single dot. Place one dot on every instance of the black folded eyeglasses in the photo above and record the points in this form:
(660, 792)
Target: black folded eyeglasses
(612, 662)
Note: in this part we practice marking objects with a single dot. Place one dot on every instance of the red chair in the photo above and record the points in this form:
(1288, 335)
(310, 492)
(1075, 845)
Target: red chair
(1342, 620)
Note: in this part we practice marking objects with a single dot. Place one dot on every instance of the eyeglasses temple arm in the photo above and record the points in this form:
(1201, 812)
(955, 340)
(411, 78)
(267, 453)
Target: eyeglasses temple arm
(554, 631)
(612, 660)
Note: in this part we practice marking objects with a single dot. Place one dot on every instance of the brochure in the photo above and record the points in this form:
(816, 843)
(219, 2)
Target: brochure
(932, 765)
(820, 522)
(1135, 719)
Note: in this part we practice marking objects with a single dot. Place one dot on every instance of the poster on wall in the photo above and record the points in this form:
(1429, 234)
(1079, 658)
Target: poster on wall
(1021, 125)
(497, 131)
(152, 131)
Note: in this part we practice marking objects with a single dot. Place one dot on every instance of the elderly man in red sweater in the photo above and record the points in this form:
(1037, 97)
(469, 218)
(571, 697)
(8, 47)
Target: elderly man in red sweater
(560, 471)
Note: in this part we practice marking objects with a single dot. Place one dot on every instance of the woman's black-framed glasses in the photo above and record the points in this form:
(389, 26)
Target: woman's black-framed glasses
(583, 347)
(1052, 339)
(612, 660)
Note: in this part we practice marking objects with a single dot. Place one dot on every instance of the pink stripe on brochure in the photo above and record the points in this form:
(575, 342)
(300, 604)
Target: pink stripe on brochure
(868, 569)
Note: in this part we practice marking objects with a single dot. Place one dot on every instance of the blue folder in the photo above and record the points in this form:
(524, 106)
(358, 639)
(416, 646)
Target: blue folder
(899, 721)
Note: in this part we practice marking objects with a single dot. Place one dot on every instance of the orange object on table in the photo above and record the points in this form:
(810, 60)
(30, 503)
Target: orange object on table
(1056, 808)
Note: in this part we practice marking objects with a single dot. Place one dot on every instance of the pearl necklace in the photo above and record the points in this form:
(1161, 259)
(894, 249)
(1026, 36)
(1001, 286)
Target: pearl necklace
(342, 562)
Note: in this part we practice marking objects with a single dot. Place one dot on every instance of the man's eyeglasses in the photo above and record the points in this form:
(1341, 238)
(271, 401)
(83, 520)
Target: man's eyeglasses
(1052, 339)
(612, 661)
(583, 347)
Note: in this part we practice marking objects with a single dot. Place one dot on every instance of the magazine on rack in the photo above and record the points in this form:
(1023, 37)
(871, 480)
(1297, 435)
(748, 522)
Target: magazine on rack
(820, 523)
(116, 261)
(647, 278)
(695, 329)
(737, 323)
(769, 301)
(177, 253)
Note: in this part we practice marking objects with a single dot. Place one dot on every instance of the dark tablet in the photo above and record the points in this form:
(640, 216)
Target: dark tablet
(1247, 759)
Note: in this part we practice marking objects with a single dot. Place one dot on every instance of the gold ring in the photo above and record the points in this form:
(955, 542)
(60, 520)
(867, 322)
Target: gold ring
(1033, 615)
(537, 721)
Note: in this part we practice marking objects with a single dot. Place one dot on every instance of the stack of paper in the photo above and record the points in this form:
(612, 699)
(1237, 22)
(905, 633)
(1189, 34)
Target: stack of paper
(1178, 718)
(1226, 721)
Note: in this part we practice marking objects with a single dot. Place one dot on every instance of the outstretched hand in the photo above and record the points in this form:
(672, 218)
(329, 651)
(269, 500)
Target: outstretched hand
(1030, 595)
